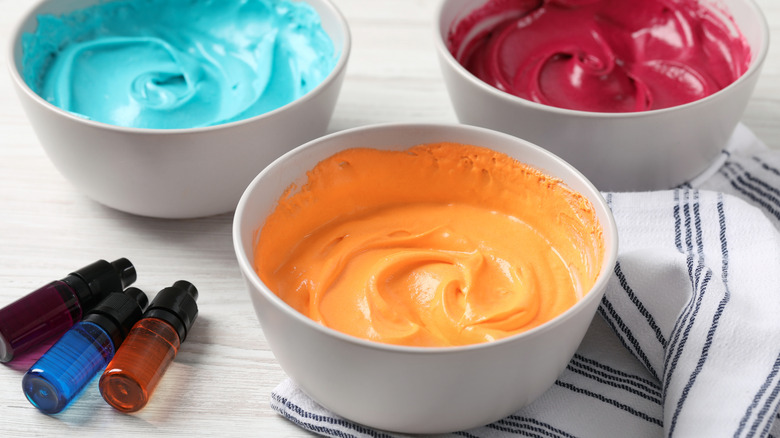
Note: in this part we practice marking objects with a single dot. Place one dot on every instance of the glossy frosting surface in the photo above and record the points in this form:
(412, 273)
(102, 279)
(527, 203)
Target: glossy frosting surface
(176, 63)
(602, 55)
(444, 244)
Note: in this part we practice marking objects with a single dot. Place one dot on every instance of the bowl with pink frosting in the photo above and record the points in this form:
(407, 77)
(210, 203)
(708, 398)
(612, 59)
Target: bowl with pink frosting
(636, 95)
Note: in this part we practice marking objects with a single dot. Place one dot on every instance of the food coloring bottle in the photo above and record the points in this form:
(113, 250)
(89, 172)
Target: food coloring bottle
(83, 351)
(52, 309)
(131, 377)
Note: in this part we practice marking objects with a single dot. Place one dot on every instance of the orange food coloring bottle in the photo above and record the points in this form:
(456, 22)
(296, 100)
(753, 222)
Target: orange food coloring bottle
(139, 364)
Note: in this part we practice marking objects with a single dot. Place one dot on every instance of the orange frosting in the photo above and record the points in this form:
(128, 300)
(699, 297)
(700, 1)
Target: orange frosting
(443, 244)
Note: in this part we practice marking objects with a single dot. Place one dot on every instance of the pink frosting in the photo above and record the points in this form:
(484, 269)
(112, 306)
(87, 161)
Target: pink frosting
(602, 55)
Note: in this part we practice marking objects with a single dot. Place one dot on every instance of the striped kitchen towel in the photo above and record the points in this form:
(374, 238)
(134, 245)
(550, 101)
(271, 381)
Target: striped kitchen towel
(686, 342)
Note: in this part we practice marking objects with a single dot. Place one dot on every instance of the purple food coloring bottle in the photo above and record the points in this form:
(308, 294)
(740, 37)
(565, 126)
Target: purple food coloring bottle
(52, 309)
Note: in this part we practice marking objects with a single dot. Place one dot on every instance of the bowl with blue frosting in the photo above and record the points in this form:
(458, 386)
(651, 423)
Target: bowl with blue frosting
(169, 108)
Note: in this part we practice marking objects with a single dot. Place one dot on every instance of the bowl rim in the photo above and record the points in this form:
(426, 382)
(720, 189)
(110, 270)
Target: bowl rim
(32, 11)
(756, 64)
(609, 231)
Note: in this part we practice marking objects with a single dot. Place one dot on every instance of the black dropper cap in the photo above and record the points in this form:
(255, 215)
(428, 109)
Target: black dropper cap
(177, 305)
(118, 312)
(94, 282)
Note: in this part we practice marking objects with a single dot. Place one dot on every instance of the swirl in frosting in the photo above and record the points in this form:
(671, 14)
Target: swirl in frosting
(439, 245)
(602, 55)
(169, 64)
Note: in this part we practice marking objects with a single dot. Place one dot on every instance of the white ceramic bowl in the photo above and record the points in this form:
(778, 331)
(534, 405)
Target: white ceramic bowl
(176, 173)
(649, 150)
(414, 389)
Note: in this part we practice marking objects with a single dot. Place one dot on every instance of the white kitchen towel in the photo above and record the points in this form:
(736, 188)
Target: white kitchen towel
(686, 342)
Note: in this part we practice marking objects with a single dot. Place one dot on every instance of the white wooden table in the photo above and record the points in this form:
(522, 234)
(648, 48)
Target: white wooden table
(221, 380)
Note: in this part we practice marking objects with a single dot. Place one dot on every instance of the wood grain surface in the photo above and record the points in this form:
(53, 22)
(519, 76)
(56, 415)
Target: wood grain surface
(221, 380)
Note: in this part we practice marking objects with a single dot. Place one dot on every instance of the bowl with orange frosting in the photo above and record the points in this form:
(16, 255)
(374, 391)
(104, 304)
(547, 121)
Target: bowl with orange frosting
(636, 95)
(423, 278)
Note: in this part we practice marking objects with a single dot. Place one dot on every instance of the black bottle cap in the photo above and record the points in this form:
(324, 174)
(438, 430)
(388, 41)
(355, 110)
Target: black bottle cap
(177, 305)
(118, 312)
(93, 282)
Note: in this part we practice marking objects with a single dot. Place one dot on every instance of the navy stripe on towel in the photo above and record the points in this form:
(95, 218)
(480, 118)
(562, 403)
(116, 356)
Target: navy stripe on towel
(638, 303)
(322, 419)
(771, 380)
(651, 385)
(529, 427)
(464, 433)
(766, 166)
(753, 189)
(715, 318)
(772, 193)
(610, 401)
(607, 311)
(687, 316)
(614, 379)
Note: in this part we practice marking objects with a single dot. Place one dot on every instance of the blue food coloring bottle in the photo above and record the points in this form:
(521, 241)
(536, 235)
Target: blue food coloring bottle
(82, 352)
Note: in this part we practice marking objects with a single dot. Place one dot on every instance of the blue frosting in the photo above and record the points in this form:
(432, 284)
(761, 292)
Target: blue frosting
(177, 63)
